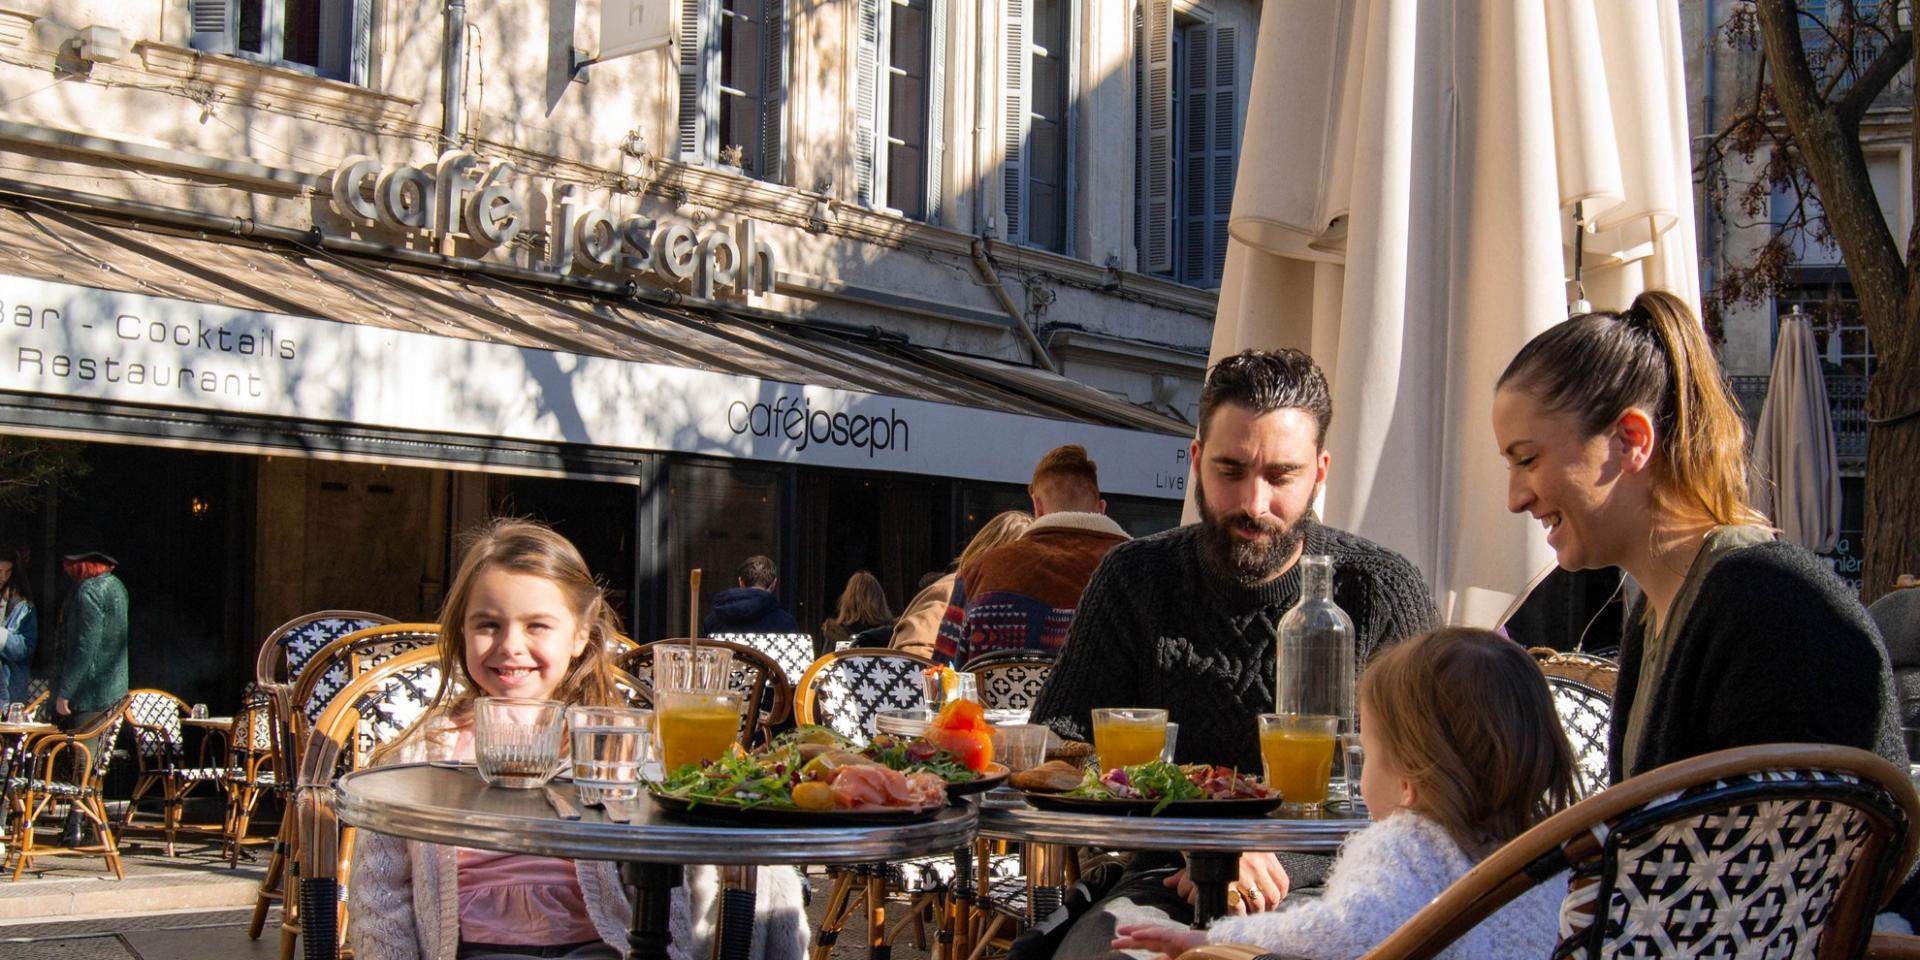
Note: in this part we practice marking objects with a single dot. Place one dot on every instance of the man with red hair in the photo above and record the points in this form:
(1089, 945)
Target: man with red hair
(93, 650)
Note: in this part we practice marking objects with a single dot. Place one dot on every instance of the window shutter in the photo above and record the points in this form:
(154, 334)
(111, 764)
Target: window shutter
(213, 25)
(867, 132)
(1195, 166)
(1225, 149)
(773, 104)
(1156, 138)
(936, 104)
(696, 91)
(362, 43)
(1014, 117)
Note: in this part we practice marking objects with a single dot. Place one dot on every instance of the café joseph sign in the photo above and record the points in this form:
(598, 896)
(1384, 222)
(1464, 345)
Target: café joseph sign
(461, 195)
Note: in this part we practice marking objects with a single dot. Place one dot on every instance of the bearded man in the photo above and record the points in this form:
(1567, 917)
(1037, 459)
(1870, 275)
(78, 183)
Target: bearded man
(1186, 620)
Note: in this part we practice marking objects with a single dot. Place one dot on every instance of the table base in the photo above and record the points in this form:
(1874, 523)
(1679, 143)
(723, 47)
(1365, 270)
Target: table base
(653, 885)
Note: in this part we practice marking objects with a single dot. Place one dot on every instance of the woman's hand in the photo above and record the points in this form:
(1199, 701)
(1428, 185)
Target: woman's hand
(1170, 941)
(61, 707)
(1262, 885)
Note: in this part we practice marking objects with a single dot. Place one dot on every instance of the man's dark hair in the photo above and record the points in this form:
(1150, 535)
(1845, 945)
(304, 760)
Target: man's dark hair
(1267, 380)
(758, 571)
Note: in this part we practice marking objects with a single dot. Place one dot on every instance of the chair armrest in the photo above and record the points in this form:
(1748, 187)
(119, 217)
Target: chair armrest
(1893, 946)
(1228, 951)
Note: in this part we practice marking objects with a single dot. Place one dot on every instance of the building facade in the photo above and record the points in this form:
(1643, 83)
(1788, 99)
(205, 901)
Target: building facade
(319, 283)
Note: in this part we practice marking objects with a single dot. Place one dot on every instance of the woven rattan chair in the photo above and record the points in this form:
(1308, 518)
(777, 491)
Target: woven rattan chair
(792, 651)
(755, 676)
(1011, 679)
(1820, 836)
(159, 744)
(1599, 673)
(253, 750)
(55, 767)
(375, 708)
(289, 646)
(1585, 714)
(39, 700)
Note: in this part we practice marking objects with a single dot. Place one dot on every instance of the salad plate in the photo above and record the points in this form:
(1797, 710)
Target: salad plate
(1242, 808)
(994, 775)
(721, 811)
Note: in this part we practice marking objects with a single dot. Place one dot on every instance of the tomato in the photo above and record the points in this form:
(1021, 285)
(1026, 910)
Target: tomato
(962, 715)
(973, 747)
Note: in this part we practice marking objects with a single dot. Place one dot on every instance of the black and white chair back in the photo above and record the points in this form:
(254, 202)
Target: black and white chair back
(333, 666)
(285, 652)
(1585, 714)
(792, 651)
(1011, 679)
(847, 689)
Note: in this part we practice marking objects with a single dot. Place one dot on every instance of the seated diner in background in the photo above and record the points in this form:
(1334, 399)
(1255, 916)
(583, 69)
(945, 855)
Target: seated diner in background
(1185, 620)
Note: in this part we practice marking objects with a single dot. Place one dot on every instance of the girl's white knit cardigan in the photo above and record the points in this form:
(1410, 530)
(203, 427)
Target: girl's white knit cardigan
(403, 896)
(1384, 875)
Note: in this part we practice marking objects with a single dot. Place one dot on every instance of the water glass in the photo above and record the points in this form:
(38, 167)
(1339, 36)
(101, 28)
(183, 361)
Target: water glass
(199, 711)
(1297, 750)
(1355, 759)
(516, 740)
(702, 669)
(1127, 736)
(16, 713)
(941, 687)
(1173, 737)
(1021, 746)
(609, 745)
(695, 727)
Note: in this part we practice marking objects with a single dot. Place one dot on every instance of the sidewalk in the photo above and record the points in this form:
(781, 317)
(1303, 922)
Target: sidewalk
(78, 886)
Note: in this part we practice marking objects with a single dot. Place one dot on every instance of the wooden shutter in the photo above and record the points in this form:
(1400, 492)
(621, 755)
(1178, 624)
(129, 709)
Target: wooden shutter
(697, 87)
(362, 62)
(1014, 116)
(936, 104)
(213, 23)
(868, 131)
(1224, 150)
(773, 99)
(1155, 208)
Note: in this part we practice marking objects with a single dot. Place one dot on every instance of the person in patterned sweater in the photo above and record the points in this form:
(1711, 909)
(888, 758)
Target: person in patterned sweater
(1022, 595)
(1186, 619)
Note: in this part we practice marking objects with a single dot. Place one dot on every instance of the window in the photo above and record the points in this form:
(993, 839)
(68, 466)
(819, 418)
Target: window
(733, 72)
(900, 99)
(1189, 144)
(1039, 87)
(331, 38)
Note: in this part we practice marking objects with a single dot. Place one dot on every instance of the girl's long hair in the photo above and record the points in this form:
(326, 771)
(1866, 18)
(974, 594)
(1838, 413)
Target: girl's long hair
(863, 602)
(521, 546)
(1654, 355)
(1005, 527)
(1465, 715)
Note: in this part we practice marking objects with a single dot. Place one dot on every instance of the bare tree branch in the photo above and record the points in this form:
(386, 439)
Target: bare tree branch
(1874, 80)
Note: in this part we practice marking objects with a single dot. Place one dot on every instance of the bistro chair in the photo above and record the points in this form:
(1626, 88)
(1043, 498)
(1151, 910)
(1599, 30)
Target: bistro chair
(160, 750)
(764, 689)
(70, 767)
(252, 752)
(39, 699)
(1011, 679)
(1776, 850)
(1596, 672)
(847, 689)
(792, 651)
(324, 674)
(1585, 714)
(287, 649)
(375, 708)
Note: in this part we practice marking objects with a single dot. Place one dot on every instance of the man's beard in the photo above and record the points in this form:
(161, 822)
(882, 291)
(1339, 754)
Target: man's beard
(1247, 562)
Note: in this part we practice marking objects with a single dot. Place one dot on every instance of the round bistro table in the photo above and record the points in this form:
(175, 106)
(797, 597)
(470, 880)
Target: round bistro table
(1213, 846)
(447, 804)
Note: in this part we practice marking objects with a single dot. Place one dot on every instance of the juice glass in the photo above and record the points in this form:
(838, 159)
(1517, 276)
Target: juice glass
(695, 727)
(1126, 736)
(1297, 750)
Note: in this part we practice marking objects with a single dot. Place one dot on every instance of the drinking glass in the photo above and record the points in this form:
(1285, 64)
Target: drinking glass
(16, 713)
(1126, 736)
(1021, 746)
(516, 740)
(199, 711)
(1297, 750)
(609, 745)
(1356, 763)
(682, 667)
(941, 687)
(695, 727)
(1173, 737)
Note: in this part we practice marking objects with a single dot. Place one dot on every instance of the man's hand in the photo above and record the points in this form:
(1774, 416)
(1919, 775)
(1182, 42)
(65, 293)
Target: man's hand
(1262, 885)
(1169, 941)
(61, 707)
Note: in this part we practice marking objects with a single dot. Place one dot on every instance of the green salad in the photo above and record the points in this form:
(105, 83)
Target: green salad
(1155, 780)
(918, 756)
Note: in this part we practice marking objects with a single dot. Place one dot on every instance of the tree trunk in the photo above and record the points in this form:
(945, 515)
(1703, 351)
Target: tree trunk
(1892, 531)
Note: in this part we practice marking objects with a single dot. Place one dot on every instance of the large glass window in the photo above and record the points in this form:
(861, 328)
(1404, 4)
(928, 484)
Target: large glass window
(733, 84)
(899, 93)
(1037, 83)
(1189, 141)
(330, 38)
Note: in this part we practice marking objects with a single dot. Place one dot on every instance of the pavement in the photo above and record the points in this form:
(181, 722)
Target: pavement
(191, 907)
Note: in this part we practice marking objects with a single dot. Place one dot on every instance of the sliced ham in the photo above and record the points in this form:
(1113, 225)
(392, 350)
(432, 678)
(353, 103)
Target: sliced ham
(856, 788)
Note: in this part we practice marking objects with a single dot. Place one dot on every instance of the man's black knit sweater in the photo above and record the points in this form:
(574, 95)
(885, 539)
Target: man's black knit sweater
(1159, 626)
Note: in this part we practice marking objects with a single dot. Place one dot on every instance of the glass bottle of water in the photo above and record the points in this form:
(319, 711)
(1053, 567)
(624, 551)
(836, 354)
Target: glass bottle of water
(1314, 659)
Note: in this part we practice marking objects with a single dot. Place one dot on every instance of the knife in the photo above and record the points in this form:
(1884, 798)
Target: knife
(560, 805)
(616, 811)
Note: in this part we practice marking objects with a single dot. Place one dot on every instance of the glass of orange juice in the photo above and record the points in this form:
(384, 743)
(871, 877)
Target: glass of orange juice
(1297, 750)
(1125, 736)
(695, 727)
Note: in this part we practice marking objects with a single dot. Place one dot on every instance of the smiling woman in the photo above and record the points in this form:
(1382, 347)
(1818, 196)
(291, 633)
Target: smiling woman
(1621, 438)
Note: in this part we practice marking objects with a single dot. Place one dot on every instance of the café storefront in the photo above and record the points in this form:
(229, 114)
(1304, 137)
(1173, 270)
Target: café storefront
(278, 421)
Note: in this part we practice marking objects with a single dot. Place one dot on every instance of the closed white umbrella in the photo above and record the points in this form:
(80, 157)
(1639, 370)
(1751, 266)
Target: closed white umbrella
(1798, 476)
(1405, 209)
